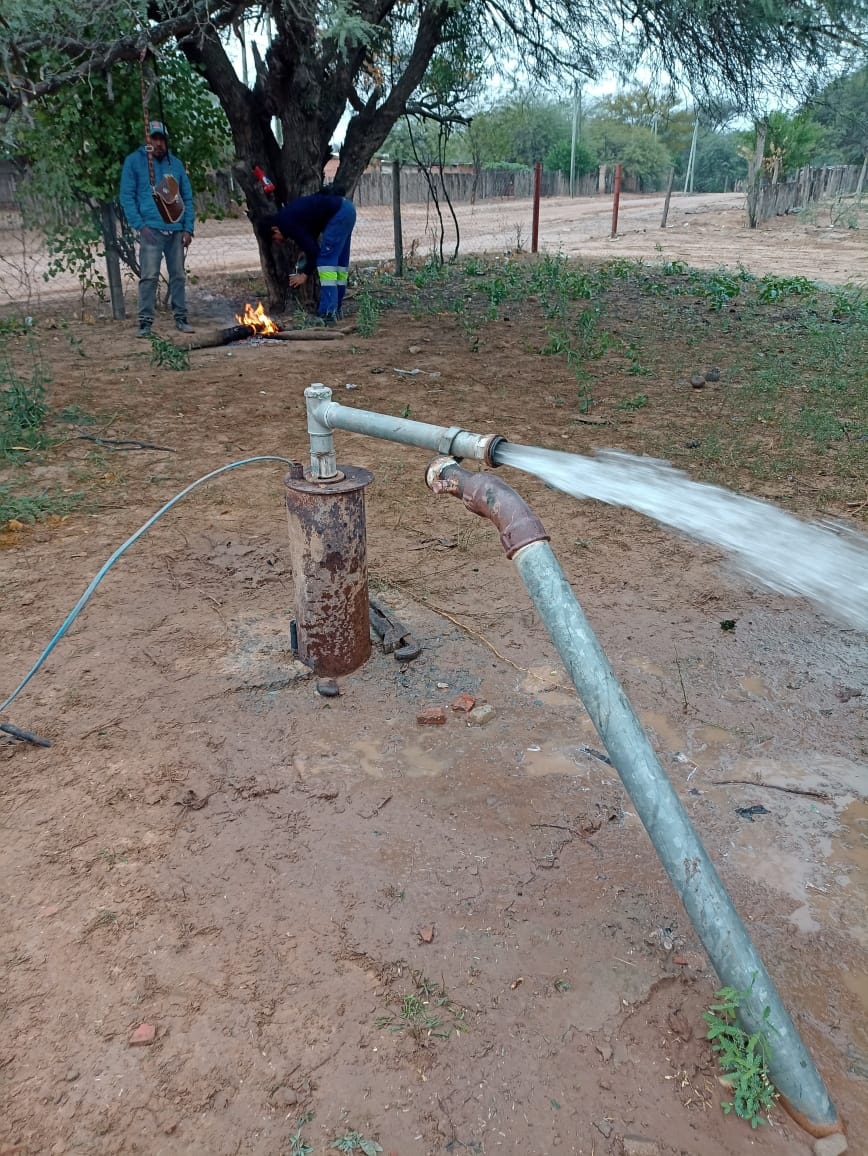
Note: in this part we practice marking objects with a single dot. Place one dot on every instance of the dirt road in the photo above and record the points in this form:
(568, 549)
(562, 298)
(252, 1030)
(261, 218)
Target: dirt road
(703, 230)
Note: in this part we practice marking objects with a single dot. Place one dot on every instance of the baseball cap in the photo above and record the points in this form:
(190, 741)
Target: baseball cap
(157, 128)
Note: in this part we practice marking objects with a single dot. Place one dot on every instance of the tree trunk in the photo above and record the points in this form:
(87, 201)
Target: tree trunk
(305, 82)
(755, 175)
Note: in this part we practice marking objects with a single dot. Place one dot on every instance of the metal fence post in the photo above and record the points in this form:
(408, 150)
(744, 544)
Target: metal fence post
(537, 185)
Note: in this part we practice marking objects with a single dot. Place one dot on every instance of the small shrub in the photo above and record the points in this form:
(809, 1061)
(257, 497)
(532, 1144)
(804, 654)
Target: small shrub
(167, 355)
(368, 318)
(743, 1059)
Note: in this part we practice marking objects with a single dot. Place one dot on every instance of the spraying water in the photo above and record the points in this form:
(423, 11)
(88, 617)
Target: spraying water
(820, 561)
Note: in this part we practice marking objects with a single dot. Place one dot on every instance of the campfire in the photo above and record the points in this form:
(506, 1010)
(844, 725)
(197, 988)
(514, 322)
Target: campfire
(257, 320)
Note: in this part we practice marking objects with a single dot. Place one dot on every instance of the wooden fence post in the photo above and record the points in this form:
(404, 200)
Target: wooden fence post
(534, 229)
(668, 198)
(109, 222)
(396, 218)
(616, 200)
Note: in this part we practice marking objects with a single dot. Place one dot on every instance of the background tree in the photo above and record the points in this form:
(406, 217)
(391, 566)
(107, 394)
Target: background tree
(641, 154)
(560, 155)
(372, 56)
(72, 145)
(842, 109)
(720, 161)
(520, 131)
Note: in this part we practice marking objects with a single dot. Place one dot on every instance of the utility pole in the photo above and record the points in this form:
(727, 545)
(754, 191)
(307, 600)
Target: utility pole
(577, 125)
(688, 176)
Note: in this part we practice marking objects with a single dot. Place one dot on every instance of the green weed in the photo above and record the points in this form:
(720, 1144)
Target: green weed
(637, 401)
(297, 1144)
(355, 1141)
(15, 326)
(717, 288)
(743, 1058)
(23, 407)
(368, 317)
(426, 1013)
(637, 369)
(771, 288)
(167, 355)
(30, 508)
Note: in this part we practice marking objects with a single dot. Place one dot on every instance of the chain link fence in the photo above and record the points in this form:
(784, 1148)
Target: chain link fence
(437, 215)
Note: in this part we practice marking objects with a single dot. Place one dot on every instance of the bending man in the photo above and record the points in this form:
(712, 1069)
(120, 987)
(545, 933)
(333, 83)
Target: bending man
(322, 227)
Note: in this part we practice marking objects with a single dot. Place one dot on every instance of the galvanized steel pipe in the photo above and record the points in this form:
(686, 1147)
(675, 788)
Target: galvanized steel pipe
(675, 840)
(325, 415)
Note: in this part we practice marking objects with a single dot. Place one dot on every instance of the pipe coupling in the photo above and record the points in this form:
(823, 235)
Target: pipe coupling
(490, 498)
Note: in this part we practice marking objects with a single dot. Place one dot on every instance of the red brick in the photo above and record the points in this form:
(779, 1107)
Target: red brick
(431, 716)
(143, 1035)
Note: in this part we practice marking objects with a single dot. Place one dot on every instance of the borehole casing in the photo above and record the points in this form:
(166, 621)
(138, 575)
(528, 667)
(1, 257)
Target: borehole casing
(329, 568)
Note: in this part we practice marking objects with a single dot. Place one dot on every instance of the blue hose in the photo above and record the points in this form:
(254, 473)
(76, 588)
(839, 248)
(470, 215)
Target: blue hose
(104, 569)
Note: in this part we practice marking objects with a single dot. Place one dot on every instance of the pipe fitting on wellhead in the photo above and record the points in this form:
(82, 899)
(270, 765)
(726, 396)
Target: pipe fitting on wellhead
(323, 463)
(491, 498)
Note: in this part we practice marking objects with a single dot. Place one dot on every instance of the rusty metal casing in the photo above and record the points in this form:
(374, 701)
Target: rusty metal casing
(328, 552)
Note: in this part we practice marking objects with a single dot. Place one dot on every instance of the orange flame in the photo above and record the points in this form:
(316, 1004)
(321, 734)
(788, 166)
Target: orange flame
(257, 319)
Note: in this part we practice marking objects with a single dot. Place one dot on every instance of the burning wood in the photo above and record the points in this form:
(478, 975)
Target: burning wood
(257, 319)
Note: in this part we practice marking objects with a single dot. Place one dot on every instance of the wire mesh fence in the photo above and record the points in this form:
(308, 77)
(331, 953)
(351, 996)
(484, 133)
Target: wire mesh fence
(441, 216)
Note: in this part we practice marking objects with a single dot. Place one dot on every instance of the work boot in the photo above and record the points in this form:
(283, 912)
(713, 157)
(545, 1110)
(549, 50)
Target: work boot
(144, 330)
(183, 327)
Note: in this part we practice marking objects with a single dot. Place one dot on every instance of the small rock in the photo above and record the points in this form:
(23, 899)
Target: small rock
(327, 687)
(605, 1051)
(846, 693)
(830, 1145)
(464, 703)
(72, 1075)
(639, 1146)
(697, 381)
(431, 716)
(480, 716)
(426, 934)
(142, 1036)
(284, 1097)
(713, 374)
(415, 349)
(679, 1024)
(604, 1127)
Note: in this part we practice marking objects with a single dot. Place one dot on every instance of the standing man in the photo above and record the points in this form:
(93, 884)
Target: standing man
(331, 217)
(157, 201)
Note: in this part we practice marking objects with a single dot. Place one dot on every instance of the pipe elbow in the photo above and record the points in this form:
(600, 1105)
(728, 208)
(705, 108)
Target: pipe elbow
(490, 498)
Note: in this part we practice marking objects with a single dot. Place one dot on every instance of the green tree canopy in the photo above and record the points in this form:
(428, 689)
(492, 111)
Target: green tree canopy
(373, 57)
(842, 109)
(640, 153)
(520, 131)
(73, 143)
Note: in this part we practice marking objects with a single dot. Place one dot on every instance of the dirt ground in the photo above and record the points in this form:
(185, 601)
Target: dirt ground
(448, 939)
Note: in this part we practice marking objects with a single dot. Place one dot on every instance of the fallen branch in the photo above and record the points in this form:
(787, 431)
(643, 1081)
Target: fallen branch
(244, 332)
(123, 443)
(822, 796)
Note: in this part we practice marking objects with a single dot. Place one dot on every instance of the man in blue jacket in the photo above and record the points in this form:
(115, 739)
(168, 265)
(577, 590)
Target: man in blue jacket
(158, 237)
(322, 227)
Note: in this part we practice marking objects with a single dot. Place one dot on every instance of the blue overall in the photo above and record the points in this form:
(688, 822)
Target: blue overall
(331, 218)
